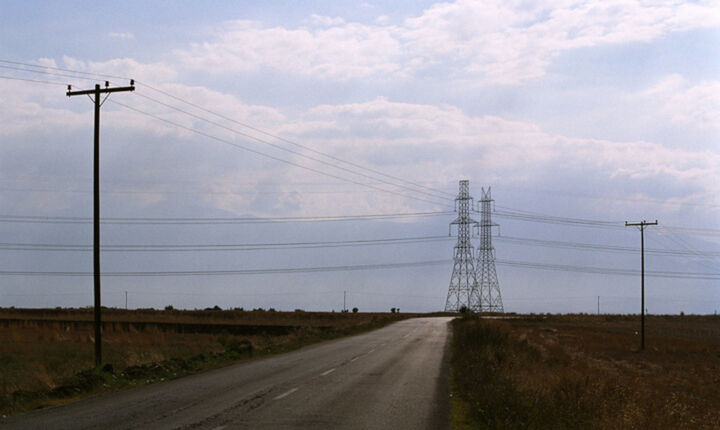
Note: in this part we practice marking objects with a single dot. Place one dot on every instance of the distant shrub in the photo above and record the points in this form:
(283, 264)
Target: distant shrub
(235, 346)
(355, 310)
(169, 308)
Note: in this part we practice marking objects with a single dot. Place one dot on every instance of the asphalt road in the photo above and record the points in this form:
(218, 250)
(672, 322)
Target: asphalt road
(392, 378)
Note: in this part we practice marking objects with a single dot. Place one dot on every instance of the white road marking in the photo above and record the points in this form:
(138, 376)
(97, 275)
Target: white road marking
(354, 358)
(406, 335)
(372, 350)
(327, 372)
(285, 394)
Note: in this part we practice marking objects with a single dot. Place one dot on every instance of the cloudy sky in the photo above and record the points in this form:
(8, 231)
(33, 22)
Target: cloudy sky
(346, 126)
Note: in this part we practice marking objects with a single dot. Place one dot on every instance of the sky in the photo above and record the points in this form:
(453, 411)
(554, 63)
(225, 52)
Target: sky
(289, 155)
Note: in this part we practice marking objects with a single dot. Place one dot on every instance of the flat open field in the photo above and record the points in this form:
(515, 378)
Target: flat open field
(580, 371)
(46, 354)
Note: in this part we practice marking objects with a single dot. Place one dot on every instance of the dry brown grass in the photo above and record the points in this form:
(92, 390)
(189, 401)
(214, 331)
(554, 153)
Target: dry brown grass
(37, 356)
(674, 383)
(590, 369)
(298, 318)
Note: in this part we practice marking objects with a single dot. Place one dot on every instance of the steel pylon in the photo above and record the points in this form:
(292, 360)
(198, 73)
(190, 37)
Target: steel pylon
(463, 290)
(488, 285)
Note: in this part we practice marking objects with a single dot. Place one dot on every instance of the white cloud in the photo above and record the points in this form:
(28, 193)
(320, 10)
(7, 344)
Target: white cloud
(122, 36)
(694, 106)
(339, 52)
(440, 143)
(496, 41)
(124, 67)
(47, 62)
(326, 21)
(437, 143)
(32, 108)
(511, 42)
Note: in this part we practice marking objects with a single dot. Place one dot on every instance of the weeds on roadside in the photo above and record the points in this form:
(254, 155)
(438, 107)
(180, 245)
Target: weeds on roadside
(581, 371)
(484, 356)
(50, 363)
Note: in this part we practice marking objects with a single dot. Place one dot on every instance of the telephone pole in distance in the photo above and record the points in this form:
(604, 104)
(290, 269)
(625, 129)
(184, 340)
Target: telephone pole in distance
(642, 224)
(96, 92)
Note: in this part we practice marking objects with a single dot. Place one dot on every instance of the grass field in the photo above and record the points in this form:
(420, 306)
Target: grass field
(567, 372)
(46, 355)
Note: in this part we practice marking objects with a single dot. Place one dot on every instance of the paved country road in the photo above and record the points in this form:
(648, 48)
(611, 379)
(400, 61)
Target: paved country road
(391, 378)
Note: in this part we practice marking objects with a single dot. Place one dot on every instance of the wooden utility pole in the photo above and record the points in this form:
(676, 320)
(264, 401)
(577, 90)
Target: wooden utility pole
(642, 225)
(96, 92)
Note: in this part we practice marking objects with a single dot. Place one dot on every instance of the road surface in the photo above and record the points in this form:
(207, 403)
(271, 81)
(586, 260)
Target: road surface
(392, 378)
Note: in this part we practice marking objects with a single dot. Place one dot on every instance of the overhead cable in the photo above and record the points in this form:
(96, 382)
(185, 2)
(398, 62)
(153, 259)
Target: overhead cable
(431, 191)
(508, 263)
(230, 220)
(272, 157)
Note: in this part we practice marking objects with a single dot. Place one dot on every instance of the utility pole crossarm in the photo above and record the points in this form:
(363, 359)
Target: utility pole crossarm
(640, 224)
(101, 91)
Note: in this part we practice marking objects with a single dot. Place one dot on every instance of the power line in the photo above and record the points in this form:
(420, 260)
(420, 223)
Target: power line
(32, 80)
(691, 231)
(239, 220)
(189, 192)
(549, 219)
(683, 244)
(605, 248)
(17, 246)
(44, 70)
(236, 272)
(46, 73)
(634, 199)
(219, 247)
(508, 263)
(519, 215)
(609, 271)
(272, 157)
(104, 76)
(433, 193)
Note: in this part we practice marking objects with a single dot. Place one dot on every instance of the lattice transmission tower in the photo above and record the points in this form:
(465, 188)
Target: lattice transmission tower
(463, 290)
(488, 285)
